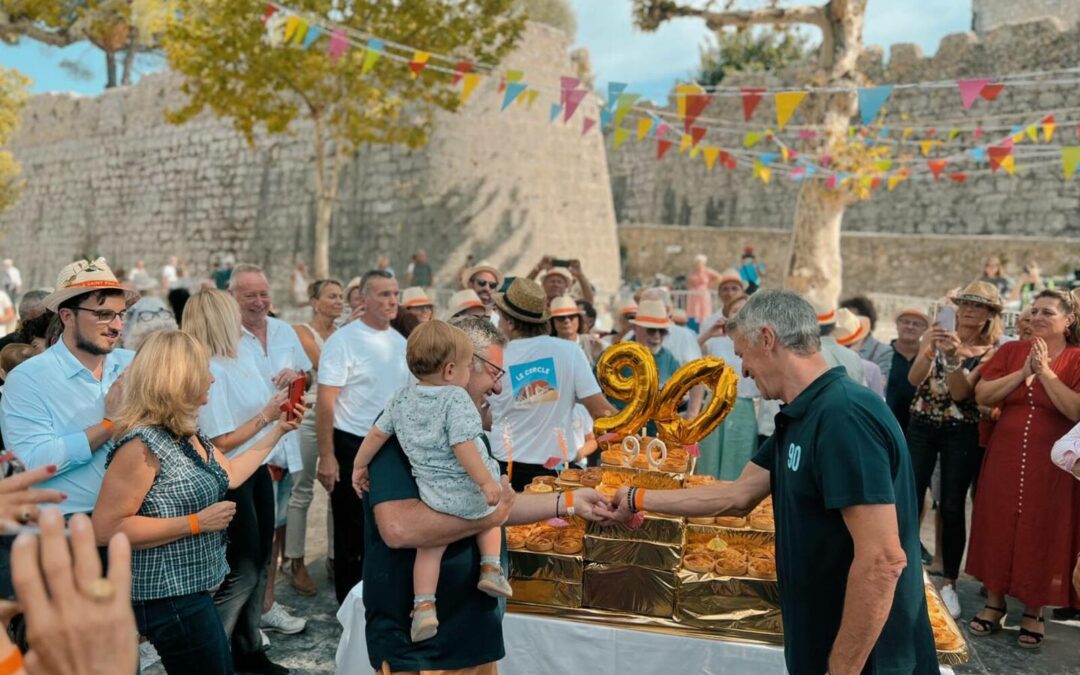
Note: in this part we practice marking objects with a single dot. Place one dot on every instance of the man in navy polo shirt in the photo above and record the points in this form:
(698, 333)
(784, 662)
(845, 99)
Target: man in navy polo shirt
(847, 533)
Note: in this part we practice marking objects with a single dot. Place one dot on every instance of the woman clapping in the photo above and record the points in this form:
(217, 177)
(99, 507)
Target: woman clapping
(164, 489)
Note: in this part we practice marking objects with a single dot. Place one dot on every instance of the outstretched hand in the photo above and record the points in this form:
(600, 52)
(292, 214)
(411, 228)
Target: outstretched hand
(591, 505)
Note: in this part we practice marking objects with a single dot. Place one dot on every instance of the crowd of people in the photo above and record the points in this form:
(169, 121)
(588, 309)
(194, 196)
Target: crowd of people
(190, 424)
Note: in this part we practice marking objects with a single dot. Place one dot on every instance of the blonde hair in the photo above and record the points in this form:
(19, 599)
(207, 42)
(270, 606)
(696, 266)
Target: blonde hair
(434, 343)
(212, 317)
(165, 384)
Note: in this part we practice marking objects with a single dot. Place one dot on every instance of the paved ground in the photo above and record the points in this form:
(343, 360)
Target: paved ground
(313, 650)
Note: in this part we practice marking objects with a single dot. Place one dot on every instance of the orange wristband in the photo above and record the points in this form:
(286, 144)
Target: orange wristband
(639, 500)
(193, 522)
(107, 423)
(569, 494)
(12, 663)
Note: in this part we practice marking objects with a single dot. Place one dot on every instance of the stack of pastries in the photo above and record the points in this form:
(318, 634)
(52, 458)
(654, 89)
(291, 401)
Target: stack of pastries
(945, 638)
(546, 538)
(734, 558)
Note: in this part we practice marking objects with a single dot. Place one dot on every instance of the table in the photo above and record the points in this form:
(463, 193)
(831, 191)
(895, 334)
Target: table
(540, 645)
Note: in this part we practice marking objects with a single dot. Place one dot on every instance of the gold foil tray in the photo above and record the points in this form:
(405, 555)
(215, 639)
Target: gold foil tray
(948, 657)
(549, 566)
(642, 553)
(629, 588)
(547, 592)
(746, 605)
(735, 537)
(655, 528)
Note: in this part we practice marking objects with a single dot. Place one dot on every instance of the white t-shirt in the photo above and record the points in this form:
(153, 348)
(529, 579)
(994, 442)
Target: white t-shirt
(369, 366)
(238, 394)
(682, 343)
(545, 378)
(5, 305)
(583, 426)
(169, 276)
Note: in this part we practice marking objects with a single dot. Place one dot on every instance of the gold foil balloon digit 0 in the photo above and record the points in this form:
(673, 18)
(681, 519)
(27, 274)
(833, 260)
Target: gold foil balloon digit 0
(713, 374)
(627, 372)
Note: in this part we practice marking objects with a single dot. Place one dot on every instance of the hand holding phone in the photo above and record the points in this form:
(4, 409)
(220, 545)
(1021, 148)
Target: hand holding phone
(296, 394)
(946, 318)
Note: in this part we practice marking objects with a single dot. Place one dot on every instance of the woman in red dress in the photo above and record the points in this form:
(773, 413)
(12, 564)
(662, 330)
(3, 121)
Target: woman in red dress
(1025, 529)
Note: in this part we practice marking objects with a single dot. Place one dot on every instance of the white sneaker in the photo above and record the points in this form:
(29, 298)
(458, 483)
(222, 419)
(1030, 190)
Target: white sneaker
(148, 656)
(280, 621)
(264, 639)
(951, 600)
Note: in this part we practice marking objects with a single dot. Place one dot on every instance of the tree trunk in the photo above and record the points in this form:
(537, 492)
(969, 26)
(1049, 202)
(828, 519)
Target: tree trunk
(110, 69)
(129, 58)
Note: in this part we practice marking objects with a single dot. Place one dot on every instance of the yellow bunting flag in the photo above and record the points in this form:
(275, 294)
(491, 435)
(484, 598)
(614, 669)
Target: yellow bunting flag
(684, 90)
(1070, 159)
(1048, 125)
(644, 125)
(884, 165)
(763, 172)
(906, 134)
(515, 75)
(291, 24)
(896, 179)
(1033, 132)
(953, 133)
(785, 154)
(370, 57)
(786, 103)
(927, 146)
(752, 139)
(685, 143)
(695, 150)
(1009, 164)
(418, 63)
(620, 136)
(468, 85)
(711, 153)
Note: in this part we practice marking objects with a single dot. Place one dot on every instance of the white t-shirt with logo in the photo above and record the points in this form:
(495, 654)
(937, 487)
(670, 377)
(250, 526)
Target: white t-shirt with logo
(369, 366)
(545, 378)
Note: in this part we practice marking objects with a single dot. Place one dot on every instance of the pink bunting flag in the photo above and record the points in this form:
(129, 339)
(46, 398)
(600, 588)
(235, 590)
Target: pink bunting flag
(568, 83)
(807, 134)
(572, 99)
(978, 134)
(588, 125)
(338, 45)
(694, 450)
(751, 97)
(970, 91)
(830, 182)
(826, 160)
(663, 129)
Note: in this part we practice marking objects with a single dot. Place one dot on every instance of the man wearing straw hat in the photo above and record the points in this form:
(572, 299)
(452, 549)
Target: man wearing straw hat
(545, 377)
(58, 407)
(729, 286)
(415, 300)
(849, 332)
(558, 279)
(483, 280)
(465, 302)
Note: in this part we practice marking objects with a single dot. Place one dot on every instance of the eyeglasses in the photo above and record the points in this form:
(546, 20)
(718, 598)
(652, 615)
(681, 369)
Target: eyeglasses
(147, 315)
(656, 331)
(484, 283)
(104, 316)
(499, 372)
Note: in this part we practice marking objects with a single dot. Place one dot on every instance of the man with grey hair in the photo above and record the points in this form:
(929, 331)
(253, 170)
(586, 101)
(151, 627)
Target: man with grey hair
(847, 528)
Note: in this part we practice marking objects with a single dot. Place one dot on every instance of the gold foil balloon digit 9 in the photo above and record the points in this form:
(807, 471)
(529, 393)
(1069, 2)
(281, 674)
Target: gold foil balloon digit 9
(627, 372)
(713, 374)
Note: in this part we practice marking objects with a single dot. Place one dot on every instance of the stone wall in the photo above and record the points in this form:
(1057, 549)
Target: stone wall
(989, 14)
(107, 175)
(922, 266)
(1037, 202)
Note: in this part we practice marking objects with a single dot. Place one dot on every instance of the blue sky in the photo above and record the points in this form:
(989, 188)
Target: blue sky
(650, 62)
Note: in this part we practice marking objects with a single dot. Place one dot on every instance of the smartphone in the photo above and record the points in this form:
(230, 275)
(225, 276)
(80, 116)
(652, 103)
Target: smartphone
(296, 394)
(946, 318)
(560, 262)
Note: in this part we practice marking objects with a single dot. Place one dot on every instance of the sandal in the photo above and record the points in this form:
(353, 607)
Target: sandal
(1035, 638)
(980, 627)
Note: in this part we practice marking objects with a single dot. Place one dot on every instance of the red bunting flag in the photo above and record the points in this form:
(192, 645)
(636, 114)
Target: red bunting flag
(696, 134)
(997, 154)
(270, 11)
(730, 163)
(751, 97)
(462, 69)
(936, 167)
(991, 91)
(695, 105)
(958, 177)
(662, 146)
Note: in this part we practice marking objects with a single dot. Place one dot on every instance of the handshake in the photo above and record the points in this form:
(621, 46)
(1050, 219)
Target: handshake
(591, 505)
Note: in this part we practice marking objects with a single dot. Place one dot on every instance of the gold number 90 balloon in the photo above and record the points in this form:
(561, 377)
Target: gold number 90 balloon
(711, 372)
(639, 388)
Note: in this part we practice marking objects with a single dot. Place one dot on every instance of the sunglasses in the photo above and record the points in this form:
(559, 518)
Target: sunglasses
(499, 372)
(656, 331)
(484, 283)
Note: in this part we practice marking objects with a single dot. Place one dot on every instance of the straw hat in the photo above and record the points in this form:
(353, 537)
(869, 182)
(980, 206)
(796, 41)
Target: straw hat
(982, 293)
(626, 306)
(414, 296)
(463, 300)
(849, 327)
(826, 313)
(561, 271)
(652, 314)
(469, 272)
(912, 311)
(524, 301)
(564, 305)
(731, 275)
(82, 277)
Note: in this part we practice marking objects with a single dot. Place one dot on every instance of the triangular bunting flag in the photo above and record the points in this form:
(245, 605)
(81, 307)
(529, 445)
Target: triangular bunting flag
(831, 182)
(978, 154)
(786, 103)
(587, 125)
(997, 154)
(291, 26)
(767, 158)
(468, 85)
(269, 12)
(371, 55)
(555, 110)
(896, 179)
(695, 151)
(532, 95)
(884, 165)
(696, 134)
(338, 45)
(807, 134)
(1048, 125)
(613, 91)
(750, 100)
(620, 136)
(624, 105)
(685, 143)
(662, 146)
(682, 92)
(695, 105)
(662, 129)
(871, 99)
(513, 90)
(568, 83)
(978, 133)
(418, 63)
(991, 91)
(1033, 132)
(907, 133)
(573, 100)
(798, 173)
(753, 138)
(936, 167)
(953, 133)
(970, 90)
(313, 33)
(1009, 164)
(605, 117)
(927, 146)
(515, 75)
(644, 125)
(711, 153)
(460, 70)
(1070, 159)
(958, 177)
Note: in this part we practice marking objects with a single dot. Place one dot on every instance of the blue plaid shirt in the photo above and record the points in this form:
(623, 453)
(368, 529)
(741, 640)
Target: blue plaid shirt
(185, 484)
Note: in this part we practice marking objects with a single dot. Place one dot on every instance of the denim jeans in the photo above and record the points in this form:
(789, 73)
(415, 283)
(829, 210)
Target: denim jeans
(187, 633)
(251, 535)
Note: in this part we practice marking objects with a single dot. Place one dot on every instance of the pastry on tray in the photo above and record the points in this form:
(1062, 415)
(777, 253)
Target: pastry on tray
(761, 567)
(592, 477)
(569, 545)
(640, 462)
(673, 465)
(731, 562)
(546, 480)
(735, 522)
(614, 457)
(762, 521)
(541, 542)
(539, 488)
(703, 520)
(698, 562)
(515, 539)
(571, 476)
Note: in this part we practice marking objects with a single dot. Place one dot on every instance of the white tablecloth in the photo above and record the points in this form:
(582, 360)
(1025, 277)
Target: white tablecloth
(539, 645)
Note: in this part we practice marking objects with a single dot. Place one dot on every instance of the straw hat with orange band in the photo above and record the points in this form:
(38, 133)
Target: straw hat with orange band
(850, 329)
(83, 277)
(564, 305)
(652, 314)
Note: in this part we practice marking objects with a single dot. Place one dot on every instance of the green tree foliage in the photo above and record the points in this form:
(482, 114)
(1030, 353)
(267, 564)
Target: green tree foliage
(13, 86)
(749, 50)
(231, 69)
(557, 13)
